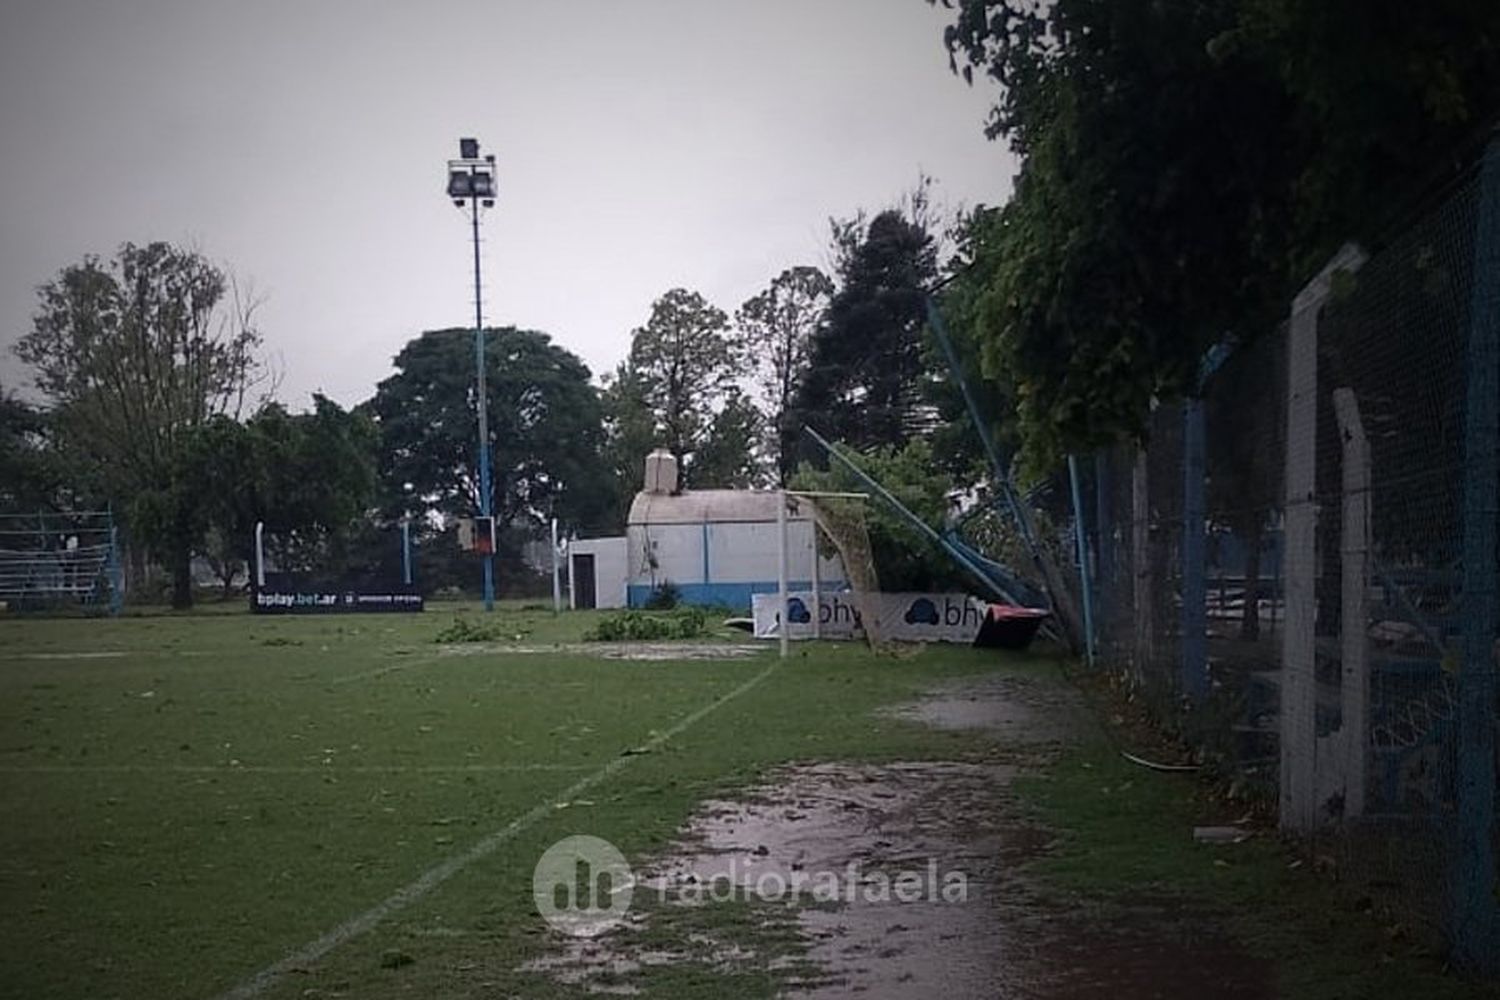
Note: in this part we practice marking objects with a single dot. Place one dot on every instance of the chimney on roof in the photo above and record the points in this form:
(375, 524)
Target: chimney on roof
(661, 472)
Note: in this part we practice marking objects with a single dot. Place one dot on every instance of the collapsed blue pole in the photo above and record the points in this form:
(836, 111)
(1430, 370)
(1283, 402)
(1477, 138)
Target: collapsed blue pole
(922, 526)
(1064, 611)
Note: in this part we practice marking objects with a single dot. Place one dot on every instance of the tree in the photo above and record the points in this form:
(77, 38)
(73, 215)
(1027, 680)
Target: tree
(776, 329)
(134, 354)
(905, 560)
(683, 364)
(629, 435)
(1185, 166)
(1143, 225)
(545, 421)
(1388, 100)
(730, 456)
(308, 477)
(29, 474)
(865, 375)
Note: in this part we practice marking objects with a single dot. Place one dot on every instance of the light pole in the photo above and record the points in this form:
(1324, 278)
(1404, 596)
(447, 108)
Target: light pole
(471, 183)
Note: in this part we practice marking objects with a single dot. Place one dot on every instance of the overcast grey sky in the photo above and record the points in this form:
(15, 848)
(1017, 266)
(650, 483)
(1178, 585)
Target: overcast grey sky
(642, 144)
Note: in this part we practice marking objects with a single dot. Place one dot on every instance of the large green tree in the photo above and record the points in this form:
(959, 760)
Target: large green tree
(1186, 163)
(30, 474)
(864, 383)
(134, 354)
(730, 457)
(1143, 224)
(545, 423)
(776, 330)
(682, 366)
(308, 477)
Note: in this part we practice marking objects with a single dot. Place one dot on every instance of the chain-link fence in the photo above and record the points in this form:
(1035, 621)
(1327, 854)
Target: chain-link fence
(1298, 567)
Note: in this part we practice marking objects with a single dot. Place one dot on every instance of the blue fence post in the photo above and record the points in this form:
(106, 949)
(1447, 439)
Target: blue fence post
(1104, 535)
(1194, 679)
(1474, 929)
(406, 552)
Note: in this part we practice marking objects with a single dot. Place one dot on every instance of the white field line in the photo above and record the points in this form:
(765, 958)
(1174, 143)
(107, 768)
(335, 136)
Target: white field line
(429, 880)
(401, 664)
(109, 654)
(334, 769)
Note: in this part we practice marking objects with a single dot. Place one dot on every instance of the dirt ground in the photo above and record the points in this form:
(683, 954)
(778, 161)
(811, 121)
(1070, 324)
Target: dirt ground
(930, 822)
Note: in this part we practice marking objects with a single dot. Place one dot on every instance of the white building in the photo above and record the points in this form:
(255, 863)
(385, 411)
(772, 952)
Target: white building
(716, 547)
(596, 572)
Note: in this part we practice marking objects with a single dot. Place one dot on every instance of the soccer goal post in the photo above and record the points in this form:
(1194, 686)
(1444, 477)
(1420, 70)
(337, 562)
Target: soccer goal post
(840, 518)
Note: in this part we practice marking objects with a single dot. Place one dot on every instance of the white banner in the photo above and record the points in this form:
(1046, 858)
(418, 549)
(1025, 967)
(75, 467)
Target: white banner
(907, 617)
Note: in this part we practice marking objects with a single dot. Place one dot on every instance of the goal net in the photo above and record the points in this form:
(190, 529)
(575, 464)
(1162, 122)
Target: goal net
(841, 520)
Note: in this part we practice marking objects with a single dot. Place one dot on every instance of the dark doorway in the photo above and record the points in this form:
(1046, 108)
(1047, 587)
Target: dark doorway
(583, 581)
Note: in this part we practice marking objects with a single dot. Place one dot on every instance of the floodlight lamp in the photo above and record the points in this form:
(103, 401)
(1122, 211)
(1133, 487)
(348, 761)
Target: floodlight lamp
(459, 184)
(482, 184)
(468, 149)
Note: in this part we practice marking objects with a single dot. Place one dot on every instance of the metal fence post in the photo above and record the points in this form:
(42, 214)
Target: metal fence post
(1104, 534)
(1474, 929)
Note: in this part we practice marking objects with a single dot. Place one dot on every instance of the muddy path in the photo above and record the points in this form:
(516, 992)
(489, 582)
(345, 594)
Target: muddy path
(910, 879)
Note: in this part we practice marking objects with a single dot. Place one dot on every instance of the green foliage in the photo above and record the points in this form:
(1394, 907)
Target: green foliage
(545, 425)
(775, 333)
(904, 559)
(135, 354)
(638, 626)
(310, 477)
(1185, 166)
(865, 375)
(462, 629)
(664, 597)
(730, 455)
(1143, 223)
(30, 471)
(681, 368)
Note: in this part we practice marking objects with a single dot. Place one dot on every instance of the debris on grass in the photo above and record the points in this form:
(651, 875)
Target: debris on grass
(1220, 834)
(395, 959)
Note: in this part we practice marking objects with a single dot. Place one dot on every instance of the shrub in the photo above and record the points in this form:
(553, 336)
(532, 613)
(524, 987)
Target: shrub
(665, 597)
(463, 630)
(639, 626)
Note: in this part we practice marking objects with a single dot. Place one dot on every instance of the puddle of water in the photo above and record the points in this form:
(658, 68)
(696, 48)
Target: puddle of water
(835, 840)
(1019, 710)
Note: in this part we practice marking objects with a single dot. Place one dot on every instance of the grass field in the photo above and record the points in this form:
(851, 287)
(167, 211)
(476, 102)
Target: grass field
(190, 799)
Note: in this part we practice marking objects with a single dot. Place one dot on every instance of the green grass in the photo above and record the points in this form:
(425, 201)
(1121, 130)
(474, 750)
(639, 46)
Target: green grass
(220, 789)
(1126, 843)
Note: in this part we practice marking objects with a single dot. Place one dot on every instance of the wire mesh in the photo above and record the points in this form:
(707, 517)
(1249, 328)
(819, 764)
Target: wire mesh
(1337, 514)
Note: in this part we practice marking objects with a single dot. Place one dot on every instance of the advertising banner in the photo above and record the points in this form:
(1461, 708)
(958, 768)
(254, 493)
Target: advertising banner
(905, 617)
(332, 601)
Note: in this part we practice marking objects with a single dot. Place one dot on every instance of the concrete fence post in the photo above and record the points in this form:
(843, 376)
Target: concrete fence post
(1354, 653)
(1298, 805)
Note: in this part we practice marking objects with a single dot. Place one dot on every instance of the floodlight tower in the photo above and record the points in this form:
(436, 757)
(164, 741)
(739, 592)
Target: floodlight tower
(471, 184)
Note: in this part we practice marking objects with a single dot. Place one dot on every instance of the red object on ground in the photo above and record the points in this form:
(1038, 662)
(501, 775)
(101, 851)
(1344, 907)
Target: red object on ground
(1007, 626)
